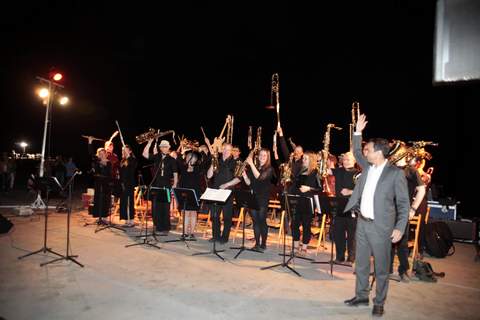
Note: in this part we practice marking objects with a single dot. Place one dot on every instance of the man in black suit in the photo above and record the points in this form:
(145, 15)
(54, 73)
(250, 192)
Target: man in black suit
(381, 199)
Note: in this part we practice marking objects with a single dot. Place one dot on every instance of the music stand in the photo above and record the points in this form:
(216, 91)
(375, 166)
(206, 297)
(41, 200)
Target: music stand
(247, 201)
(67, 256)
(330, 206)
(163, 195)
(45, 184)
(187, 200)
(291, 201)
(215, 197)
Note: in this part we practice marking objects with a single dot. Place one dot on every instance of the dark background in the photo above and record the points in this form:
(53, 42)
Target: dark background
(185, 65)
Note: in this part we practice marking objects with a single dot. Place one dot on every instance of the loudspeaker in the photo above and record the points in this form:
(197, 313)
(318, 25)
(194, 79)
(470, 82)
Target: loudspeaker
(463, 230)
(5, 225)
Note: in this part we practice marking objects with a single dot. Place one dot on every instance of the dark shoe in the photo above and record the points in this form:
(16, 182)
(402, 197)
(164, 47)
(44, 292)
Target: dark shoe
(192, 237)
(337, 260)
(223, 241)
(355, 302)
(263, 247)
(377, 311)
(211, 240)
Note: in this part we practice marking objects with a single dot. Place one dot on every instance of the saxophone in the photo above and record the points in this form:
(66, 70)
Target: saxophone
(323, 162)
(240, 167)
(286, 171)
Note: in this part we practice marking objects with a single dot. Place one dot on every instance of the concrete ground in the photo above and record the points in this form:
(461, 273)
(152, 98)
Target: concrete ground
(146, 283)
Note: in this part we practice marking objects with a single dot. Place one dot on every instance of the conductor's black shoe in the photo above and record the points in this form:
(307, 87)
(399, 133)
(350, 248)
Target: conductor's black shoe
(354, 302)
(377, 311)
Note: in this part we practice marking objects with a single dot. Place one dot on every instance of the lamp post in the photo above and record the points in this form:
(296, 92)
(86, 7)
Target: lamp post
(23, 144)
(49, 95)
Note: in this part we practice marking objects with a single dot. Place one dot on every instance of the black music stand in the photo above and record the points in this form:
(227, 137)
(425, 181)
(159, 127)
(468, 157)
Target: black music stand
(247, 201)
(216, 197)
(291, 202)
(45, 184)
(307, 203)
(68, 256)
(331, 206)
(187, 200)
(162, 194)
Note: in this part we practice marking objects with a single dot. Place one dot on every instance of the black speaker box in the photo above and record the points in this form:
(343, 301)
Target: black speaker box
(5, 225)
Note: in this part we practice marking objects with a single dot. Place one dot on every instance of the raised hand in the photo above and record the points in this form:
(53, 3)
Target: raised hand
(361, 123)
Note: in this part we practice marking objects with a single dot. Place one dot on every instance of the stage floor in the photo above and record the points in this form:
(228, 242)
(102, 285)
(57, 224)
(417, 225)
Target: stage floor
(146, 283)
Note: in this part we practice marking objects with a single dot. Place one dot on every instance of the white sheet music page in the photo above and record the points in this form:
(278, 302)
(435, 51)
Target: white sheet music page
(218, 195)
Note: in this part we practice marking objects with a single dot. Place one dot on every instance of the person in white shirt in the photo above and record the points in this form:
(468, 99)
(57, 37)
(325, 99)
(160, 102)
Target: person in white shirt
(381, 200)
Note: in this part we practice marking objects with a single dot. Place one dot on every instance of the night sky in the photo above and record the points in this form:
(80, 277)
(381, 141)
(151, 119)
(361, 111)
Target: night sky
(189, 64)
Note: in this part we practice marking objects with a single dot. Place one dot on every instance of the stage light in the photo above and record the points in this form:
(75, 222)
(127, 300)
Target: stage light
(57, 76)
(64, 100)
(43, 93)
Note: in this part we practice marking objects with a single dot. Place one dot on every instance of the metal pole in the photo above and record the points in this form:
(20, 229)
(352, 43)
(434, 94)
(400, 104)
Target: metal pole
(45, 129)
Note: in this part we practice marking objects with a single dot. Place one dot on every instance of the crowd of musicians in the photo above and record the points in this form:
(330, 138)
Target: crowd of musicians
(268, 175)
(194, 169)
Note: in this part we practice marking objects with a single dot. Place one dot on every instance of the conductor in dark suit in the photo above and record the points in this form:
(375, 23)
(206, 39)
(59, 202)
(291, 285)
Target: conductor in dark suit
(381, 200)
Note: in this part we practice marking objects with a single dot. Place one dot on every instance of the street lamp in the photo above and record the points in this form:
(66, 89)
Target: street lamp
(48, 95)
(23, 144)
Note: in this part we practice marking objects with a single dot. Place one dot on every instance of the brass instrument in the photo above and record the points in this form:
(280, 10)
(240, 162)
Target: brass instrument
(292, 143)
(276, 92)
(229, 138)
(188, 145)
(249, 138)
(152, 134)
(355, 116)
(323, 161)
(218, 141)
(258, 145)
(286, 171)
(93, 138)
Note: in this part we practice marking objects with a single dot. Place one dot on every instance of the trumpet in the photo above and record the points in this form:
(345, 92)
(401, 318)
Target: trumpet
(152, 134)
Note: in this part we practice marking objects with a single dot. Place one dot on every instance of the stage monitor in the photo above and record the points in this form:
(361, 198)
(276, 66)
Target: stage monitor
(457, 41)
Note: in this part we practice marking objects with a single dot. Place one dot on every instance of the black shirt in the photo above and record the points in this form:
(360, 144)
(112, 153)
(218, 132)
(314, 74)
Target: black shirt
(414, 180)
(127, 171)
(226, 171)
(165, 167)
(310, 180)
(343, 180)
(191, 179)
(262, 185)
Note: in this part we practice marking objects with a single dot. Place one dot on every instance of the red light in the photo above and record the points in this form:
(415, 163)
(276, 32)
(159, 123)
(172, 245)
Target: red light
(57, 76)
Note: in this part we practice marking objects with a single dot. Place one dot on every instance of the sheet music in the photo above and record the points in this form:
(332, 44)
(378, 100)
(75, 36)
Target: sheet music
(317, 202)
(218, 195)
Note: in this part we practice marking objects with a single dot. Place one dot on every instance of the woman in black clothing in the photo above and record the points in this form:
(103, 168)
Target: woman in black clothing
(102, 175)
(260, 180)
(128, 166)
(191, 176)
(306, 183)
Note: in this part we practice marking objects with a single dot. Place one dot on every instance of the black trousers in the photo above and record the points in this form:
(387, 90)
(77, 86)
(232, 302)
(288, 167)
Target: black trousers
(227, 210)
(127, 203)
(161, 214)
(260, 227)
(402, 253)
(302, 217)
(344, 234)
